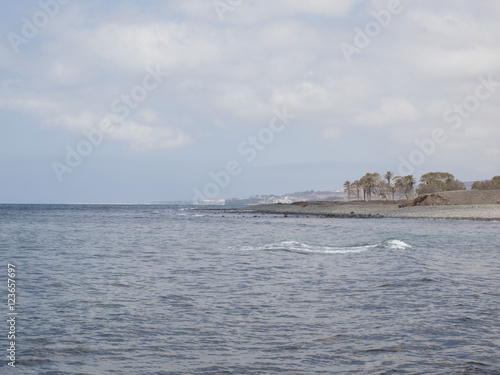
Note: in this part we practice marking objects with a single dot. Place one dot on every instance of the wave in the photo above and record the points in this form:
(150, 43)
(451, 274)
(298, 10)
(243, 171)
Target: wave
(396, 245)
(304, 248)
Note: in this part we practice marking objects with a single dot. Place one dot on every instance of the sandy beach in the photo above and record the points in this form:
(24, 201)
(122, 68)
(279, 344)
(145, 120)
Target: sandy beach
(486, 212)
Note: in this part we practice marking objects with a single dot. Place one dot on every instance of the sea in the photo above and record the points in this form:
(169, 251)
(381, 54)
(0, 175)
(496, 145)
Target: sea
(146, 289)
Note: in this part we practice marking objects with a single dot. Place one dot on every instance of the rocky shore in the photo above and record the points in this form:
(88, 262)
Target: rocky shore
(486, 212)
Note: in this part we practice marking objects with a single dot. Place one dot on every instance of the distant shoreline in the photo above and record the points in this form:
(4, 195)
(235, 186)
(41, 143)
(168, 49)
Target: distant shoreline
(483, 212)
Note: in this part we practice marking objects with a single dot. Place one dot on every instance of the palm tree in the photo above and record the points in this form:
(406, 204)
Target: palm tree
(410, 183)
(369, 183)
(384, 190)
(388, 176)
(365, 184)
(393, 191)
(357, 185)
(399, 185)
(405, 185)
(347, 189)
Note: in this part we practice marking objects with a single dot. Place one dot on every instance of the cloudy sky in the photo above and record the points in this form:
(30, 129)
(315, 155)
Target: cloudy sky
(127, 101)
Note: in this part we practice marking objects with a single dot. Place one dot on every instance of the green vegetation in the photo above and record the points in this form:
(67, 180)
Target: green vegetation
(386, 188)
(348, 189)
(434, 182)
(405, 186)
(372, 184)
(493, 184)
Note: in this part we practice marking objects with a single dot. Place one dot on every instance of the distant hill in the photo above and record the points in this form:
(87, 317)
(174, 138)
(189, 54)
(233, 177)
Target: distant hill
(303, 196)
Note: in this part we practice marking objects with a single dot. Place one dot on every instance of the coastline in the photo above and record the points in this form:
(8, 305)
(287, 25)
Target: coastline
(484, 212)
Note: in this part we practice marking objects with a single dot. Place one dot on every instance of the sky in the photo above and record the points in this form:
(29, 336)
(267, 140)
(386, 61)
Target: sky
(127, 101)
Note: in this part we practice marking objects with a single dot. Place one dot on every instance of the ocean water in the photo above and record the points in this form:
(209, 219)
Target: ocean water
(176, 290)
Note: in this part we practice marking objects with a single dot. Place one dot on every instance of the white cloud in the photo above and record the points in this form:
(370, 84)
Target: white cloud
(230, 75)
(84, 120)
(329, 8)
(26, 103)
(149, 116)
(254, 11)
(307, 97)
(67, 73)
(332, 133)
(190, 84)
(457, 63)
(492, 152)
(148, 138)
(391, 111)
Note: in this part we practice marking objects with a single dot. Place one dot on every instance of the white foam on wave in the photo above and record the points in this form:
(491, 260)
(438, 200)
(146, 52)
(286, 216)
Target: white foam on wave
(300, 247)
(304, 248)
(397, 245)
(190, 214)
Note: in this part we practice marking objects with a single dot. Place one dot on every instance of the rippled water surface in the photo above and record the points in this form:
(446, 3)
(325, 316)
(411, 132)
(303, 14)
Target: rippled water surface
(165, 290)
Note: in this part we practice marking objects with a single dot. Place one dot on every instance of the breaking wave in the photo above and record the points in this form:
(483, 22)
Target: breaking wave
(396, 244)
(304, 248)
